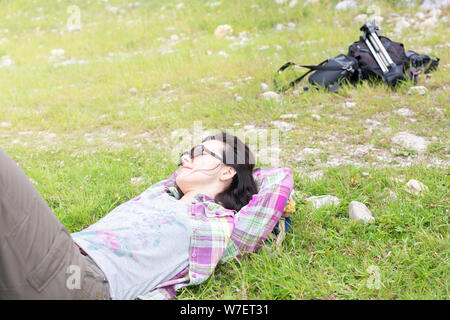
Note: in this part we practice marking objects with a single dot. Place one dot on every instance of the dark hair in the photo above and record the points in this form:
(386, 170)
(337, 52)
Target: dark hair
(237, 155)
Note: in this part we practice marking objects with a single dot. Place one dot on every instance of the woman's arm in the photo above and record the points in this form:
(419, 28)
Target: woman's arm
(256, 220)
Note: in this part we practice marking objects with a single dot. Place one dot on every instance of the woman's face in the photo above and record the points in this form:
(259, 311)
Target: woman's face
(203, 171)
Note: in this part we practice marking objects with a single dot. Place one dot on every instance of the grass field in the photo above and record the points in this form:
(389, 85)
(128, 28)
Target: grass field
(92, 94)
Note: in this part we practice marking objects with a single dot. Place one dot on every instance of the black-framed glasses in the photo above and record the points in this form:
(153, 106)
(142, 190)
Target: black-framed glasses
(197, 151)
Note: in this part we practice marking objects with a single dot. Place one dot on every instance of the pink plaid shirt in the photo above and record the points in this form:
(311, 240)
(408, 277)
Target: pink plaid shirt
(219, 234)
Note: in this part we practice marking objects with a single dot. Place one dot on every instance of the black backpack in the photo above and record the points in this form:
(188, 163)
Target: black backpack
(369, 68)
(329, 73)
(364, 61)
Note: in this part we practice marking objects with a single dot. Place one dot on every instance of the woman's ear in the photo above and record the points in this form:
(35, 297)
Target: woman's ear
(227, 173)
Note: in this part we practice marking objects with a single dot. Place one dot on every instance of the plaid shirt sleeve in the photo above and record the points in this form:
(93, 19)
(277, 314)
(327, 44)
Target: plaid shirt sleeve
(257, 219)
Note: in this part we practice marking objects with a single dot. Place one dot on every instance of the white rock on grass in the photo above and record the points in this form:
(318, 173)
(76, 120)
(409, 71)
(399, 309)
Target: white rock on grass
(416, 187)
(293, 3)
(418, 90)
(289, 116)
(6, 61)
(360, 18)
(283, 126)
(346, 5)
(57, 52)
(361, 151)
(359, 212)
(223, 54)
(348, 104)
(270, 95)
(137, 180)
(5, 124)
(405, 112)
(309, 2)
(435, 13)
(401, 25)
(410, 142)
(429, 23)
(433, 4)
(223, 30)
(321, 201)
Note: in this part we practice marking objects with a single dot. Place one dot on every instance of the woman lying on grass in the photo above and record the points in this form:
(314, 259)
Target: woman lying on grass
(170, 236)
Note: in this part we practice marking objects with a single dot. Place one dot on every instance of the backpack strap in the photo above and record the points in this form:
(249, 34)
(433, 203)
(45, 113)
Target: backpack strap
(294, 82)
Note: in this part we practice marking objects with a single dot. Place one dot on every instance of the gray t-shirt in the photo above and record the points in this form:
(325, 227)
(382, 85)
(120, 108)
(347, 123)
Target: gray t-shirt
(139, 244)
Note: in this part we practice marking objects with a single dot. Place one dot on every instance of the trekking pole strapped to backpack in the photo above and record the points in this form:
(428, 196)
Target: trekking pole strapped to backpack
(391, 72)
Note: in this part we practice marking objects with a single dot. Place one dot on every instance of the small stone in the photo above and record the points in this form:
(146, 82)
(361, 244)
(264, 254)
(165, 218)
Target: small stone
(429, 23)
(433, 4)
(415, 187)
(320, 201)
(6, 61)
(137, 180)
(359, 212)
(289, 116)
(401, 24)
(291, 26)
(293, 3)
(309, 2)
(5, 124)
(283, 126)
(279, 27)
(223, 54)
(223, 30)
(410, 142)
(418, 90)
(435, 12)
(270, 95)
(405, 112)
(112, 9)
(360, 18)
(349, 104)
(57, 52)
(132, 91)
(362, 150)
(345, 5)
